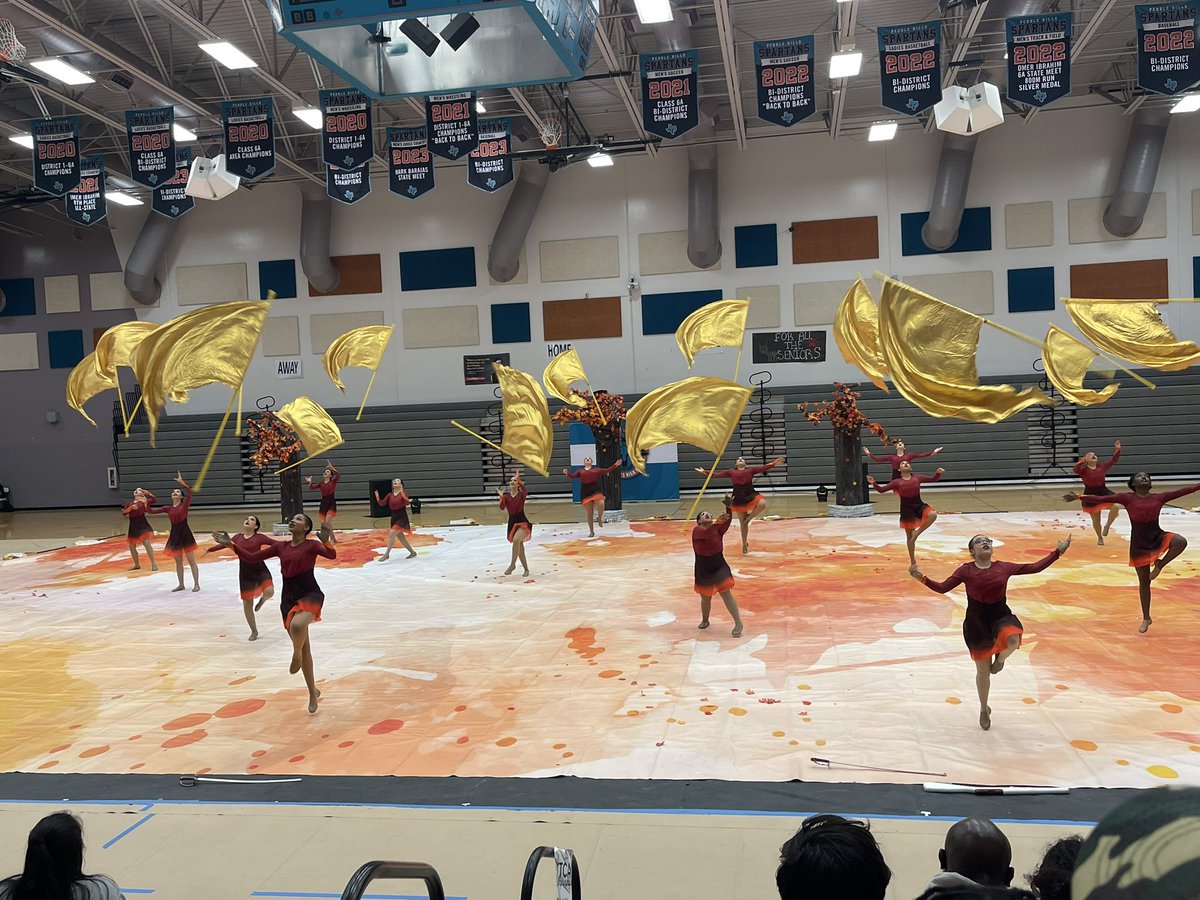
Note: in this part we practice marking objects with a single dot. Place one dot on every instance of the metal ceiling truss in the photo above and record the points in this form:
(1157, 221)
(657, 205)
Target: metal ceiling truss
(733, 82)
(843, 39)
(614, 47)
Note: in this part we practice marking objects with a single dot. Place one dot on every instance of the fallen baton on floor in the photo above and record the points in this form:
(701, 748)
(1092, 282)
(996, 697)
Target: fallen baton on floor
(981, 790)
(827, 764)
(193, 780)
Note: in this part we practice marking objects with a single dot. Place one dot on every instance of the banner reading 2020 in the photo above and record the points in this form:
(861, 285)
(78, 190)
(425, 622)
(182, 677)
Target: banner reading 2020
(249, 137)
(151, 140)
(85, 202)
(670, 93)
(410, 166)
(490, 167)
(171, 200)
(348, 185)
(56, 154)
(910, 65)
(785, 80)
(1039, 58)
(452, 124)
(346, 136)
(1166, 33)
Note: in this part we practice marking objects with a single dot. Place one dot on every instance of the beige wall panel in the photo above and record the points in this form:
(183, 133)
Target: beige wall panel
(1085, 220)
(19, 351)
(1029, 225)
(665, 253)
(441, 326)
(281, 336)
(522, 276)
(324, 327)
(816, 303)
(764, 305)
(972, 291)
(62, 293)
(205, 285)
(581, 259)
(108, 292)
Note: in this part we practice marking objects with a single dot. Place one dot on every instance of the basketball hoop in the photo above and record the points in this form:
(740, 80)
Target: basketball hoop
(552, 132)
(11, 50)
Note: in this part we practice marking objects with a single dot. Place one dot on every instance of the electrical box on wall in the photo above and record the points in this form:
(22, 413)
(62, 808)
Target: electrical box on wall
(112, 477)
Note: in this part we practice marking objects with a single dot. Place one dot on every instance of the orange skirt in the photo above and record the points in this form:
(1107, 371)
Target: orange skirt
(309, 606)
(914, 524)
(591, 498)
(401, 529)
(1001, 643)
(253, 593)
(513, 526)
(747, 507)
(177, 552)
(1151, 557)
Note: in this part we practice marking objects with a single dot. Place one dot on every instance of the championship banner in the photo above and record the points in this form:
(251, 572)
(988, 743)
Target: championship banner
(171, 200)
(410, 166)
(910, 66)
(784, 71)
(1166, 34)
(85, 202)
(348, 185)
(151, 140)
(249, 127)
(1039, 58)
(55, 154)
(670, 92)
(346, 136)
(490, 166)
(452, 124)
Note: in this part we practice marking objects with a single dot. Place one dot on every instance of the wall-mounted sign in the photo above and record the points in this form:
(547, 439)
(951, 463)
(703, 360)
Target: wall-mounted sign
(478, 369)
(1166, 34)
(670, 93)
(289, 367)
(346, 135)
(56, 154)
(785, 80)
(1039, 58)
(789, 346)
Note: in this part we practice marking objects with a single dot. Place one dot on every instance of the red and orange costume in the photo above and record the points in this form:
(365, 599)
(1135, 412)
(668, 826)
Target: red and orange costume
(515, 505)
(300, 590)
(139, 526)
(896, 458)
(589, 480)
(180, 540)
(745, 497)
(1147, 540)
(328, 507)
(1093, 483)
(398, 504)
(913, 511)
(712, 574)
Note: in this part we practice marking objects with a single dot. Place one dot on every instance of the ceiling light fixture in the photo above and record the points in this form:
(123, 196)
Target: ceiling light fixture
(227, 55)
(1187, 103)
(479, 107)
(652, 12)
(124, 199)
(309, 115)
(64, 72)
(415, 31)
(183, 135)
(845, 65)
(882, 131)
(600, 160)
(25, 140)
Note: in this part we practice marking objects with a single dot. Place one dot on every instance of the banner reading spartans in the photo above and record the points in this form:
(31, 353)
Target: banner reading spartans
(249, 137)
(171, 200)
(452, 124)
(85, 202)
(785, 80)
(346, 137)
(56, 154)
(151, 139)
(490, 166)
(410, 166)
(348, 185)
(1166, 33)
(910, 64)
(1039, 58)
(670, 93)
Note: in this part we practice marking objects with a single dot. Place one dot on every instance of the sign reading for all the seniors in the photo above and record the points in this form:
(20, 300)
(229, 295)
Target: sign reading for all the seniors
(910, 63)
(410, 165)
(1167, 60)
(346, 136)
(249, 137)
(151, 145)
(670, 93)
(1039, 58)
(56, 154)
(785, 80)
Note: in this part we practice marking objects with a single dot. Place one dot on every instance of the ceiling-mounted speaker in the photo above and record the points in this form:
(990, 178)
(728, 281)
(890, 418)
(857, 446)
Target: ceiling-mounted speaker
(986, 111)
(415, 31)
(210, 180)
(953, 112)
(460, 29)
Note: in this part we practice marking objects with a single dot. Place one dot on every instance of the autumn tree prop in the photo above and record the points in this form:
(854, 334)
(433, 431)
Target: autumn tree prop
(847, 419)
(275, 445)
(608, 430)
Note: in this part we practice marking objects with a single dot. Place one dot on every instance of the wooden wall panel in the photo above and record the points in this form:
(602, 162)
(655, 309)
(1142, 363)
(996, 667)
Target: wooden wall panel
(1144, 279)
(578, 320)
(361, 274)
(831, 240)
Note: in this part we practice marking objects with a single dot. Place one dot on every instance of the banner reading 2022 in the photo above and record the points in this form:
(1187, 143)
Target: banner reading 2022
(56, 154)
(670, 93)
(150, 133)
(249, 137)
(785, 82)
(1039, 58)
(1167, 60)
(346, 137)
(910, 64)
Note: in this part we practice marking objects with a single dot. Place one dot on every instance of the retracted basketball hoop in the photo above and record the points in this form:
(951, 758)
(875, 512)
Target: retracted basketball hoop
(11, 49)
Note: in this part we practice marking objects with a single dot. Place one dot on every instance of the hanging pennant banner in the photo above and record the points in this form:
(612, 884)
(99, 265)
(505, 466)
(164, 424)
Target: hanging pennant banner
(1166, 32)
(410, 166)
(171, 200)
(249, 137)
(452, 124)
(85, 202)
(670, 93)
(346, 140)
(1039, 58)
(348, 185)
(490, 166)
(56, 154)
(151, 140)
(785, 80)
(910, 63)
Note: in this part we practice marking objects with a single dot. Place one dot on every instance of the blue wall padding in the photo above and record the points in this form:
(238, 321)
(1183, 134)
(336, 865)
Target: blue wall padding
(1031, 290)
(975, 232)
(663, 313)
(18, 297)
(510, 323)
(437, 270)
(278, 275)
(1196, 276)
(756, 245)
(66, 348)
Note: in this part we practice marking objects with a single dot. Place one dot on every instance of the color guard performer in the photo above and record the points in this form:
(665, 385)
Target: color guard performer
(1093, 473)
(140, 530)
(327, 511)
(712, 572)
(591, 498)
(397, 502)
(520, 529)
(915, 514)
(180, 542)
(748, 503)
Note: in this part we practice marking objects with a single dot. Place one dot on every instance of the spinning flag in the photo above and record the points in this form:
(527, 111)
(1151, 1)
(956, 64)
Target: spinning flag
(563, 371)
(115, 348)
(1067, 361)
(720, 324)
(1133, 330)
(528, 437)
(699, 411)
(856, 330)
(84, 383)
(361, 347)
(313, 425)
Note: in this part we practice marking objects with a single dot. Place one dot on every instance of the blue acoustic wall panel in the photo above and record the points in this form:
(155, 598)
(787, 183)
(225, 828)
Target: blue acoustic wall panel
(1196, 276)
(663, 313)
(975, 232)
(755, 245)
(1031, 290)
(510, 323)
(66, 348)
(18, 297)
(278, 275)
(437, 270)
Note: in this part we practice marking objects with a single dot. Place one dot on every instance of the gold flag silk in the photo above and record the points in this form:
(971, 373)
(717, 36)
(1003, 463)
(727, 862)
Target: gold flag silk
(361, 347)
(84, 383)
(720, 324)
(563, 371)
(115, 347)
(528, 435)
(698, 411)
(313, 425)
(1067, 361)
(856, 330)
(1133, 330)
(929, 349)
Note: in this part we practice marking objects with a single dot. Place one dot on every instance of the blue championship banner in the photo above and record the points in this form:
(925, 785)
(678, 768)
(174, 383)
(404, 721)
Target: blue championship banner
(85, 202)
(348, 185)
(171, 200)
(55, 154)
(249, 127)
(452, 124)
(910, 66)
(1166, 35)
(151, 139)
(670, 93)
(410, 165)
(490, 167)
(346, 136)
(784, 70)
(1039, 58)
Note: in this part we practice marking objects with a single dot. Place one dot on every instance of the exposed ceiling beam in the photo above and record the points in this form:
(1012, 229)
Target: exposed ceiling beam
(843, 39)
(531, 114)
(616, 64)
(733, 82)
(1085, 38)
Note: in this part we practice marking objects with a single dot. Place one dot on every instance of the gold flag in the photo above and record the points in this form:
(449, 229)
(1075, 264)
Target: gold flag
(929, 349)
(84, 383)
(528, 436)
(563, 371)
(699, 411)
(1067, 360)
(856, 330)
(361, 347)
(1133, 330)
(720, 324)
(313, 425)
(115, 347)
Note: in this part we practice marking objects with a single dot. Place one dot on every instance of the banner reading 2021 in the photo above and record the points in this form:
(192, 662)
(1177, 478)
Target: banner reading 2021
(346, 138)
(1167, 60)
(1039, 58)
(910, 65)
(670, 93)
(785, 80)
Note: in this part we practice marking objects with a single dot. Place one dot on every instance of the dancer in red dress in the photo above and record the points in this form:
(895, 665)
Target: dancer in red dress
(180, 542)
(901, 456)
(1093, 472)
(1150, 548)
(591, 497)
(991, 630)
(712, 573)
(254, 578)
(747, 502)
(327, 511)
(520, 529)
(301, 600)
(140, 529)
(397, 502)
(915, 514)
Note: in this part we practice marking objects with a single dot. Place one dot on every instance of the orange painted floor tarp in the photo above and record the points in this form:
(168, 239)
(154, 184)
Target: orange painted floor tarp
(593, 665)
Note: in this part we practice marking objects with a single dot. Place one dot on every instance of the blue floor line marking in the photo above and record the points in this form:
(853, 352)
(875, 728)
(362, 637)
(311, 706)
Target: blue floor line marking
(140, 822)
(126, 890)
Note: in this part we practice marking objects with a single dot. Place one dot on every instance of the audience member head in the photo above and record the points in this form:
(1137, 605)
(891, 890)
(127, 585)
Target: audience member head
(832, 857)
(53, 859)
(1052, 878)
(976, 849)
(976, 892)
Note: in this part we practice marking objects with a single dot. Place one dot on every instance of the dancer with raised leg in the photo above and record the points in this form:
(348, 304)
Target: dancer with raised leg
(397, 502)
(254, 578)
(915, 514)
(520, 529)
(327, 511)
(901, 456)
(1093, 473)
(991, 630)
(748, 503)
(180, 542)
(591, 497)
(712, 572)
(140, 530)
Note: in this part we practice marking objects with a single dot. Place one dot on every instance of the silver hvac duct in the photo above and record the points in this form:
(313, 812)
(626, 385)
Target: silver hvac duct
(504, 258)
(1139, 168)
(148, 251)
(316, 214)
